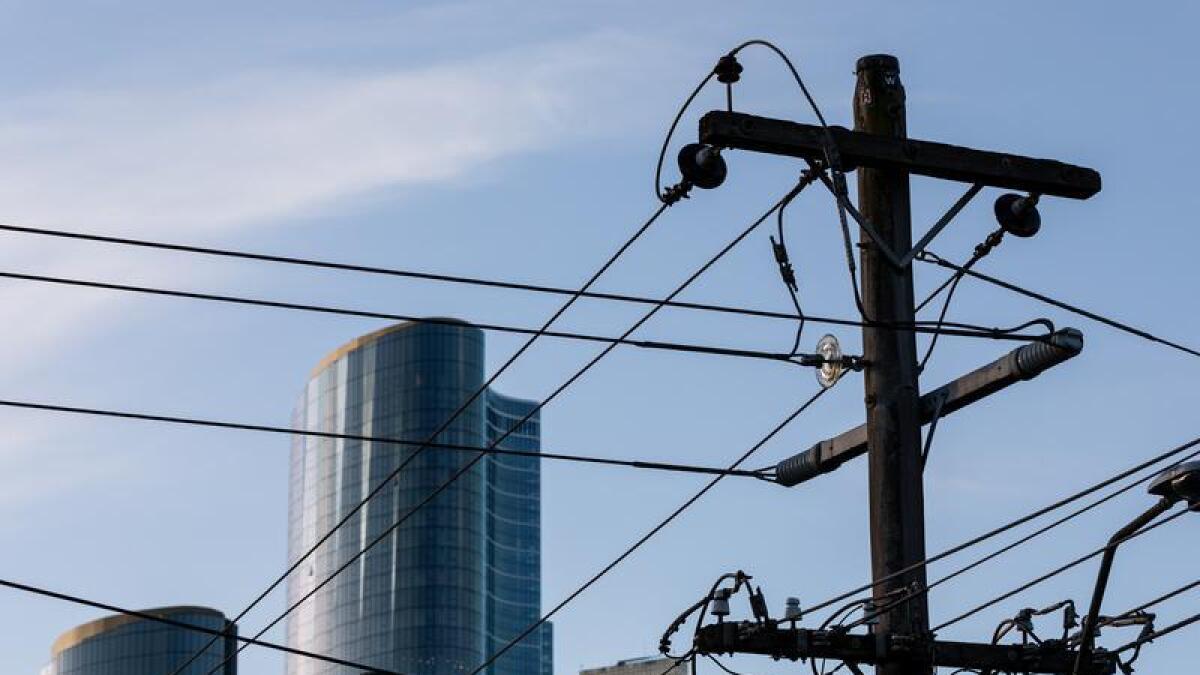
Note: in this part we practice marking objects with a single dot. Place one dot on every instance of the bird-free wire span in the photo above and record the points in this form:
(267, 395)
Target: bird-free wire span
(945, 328)
(1158, 633)
(1150, 603)
(383, 440)
(1038, 513)
(409, 274)
(554, 394)
(662, 208)
(391, 316)
(927, 327)
(1054, 572)
(1018, 542)
(932, 258)
(175, 623)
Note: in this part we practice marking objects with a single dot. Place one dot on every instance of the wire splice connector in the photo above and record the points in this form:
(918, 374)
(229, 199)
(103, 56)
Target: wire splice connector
(786, 271)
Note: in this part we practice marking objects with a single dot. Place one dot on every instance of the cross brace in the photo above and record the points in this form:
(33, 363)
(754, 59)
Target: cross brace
(771, 639)
(1023, 363)
(925, 158)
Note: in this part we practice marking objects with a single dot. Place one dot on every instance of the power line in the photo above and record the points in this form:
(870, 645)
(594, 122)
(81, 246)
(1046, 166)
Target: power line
(1014, 544)
(1150, 603)
(146, 616)
(933, 258)
(1054, 572)
(554, 394)
(955, 329)
(646, 537)
(458, 447)
(1158, 633)
(368, 314)
(458, 411)
(1180, 449)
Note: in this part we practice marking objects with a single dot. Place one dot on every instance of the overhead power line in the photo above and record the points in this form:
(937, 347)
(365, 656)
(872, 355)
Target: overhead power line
(1159, 633)
(325, 309)
(926, 327)
(554, 394)
(637, 234)
(1151, 603)
(901, 602)
(457, 447)
(935, 259)
(1054, 572)
(217, 635)
(1038, 513)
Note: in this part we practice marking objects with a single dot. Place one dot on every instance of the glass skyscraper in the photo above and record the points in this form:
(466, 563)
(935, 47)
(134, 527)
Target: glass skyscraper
(126, 645)
(459, 578)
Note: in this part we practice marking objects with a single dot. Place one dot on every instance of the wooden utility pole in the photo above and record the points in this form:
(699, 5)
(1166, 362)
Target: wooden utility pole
(880, 150)
(897, 503)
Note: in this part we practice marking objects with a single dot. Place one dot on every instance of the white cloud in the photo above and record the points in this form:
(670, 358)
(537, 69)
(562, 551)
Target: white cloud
(258, 146)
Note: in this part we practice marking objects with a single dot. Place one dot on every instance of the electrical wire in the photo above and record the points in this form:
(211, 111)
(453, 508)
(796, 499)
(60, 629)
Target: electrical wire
(647, 536)
(674, 194)
(837, 618)
(934, 259)
(786, 272)
(1049, 508)
(446, 424)
(832, 159)
(1023, 540)
(1150, 603)
(385, 440)
(1054, 572)
(836, 185)
(941, 317)
(720, 665)
(554, 394)
(167, 621)
(947, 328)
(989, 244)
(1158, 633)
(679, 661)
(341, 311)
(427, 276)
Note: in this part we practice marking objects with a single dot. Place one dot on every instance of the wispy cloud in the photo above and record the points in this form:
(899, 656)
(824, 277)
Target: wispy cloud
(200, 161)
(256, 146)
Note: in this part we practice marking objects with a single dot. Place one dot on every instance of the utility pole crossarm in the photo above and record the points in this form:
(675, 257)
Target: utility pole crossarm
(1023, 363)
(925, 158)
(771, 639)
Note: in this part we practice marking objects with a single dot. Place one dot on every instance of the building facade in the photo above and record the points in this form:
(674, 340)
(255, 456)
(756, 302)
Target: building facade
(647, 665)
(126, 645)
(461, 576)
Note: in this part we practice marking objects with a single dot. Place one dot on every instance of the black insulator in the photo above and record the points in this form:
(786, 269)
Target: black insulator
(702, 165)
(728, 69)
(1018, 215)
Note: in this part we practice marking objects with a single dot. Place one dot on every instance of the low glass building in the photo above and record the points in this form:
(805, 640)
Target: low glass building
(461, 576)
(126, 645)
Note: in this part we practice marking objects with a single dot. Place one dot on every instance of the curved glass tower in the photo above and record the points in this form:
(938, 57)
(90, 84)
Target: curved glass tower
(132, 646)
(461, 576)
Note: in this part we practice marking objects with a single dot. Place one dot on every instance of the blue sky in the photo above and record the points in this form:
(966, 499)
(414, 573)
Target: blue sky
(516, 140)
